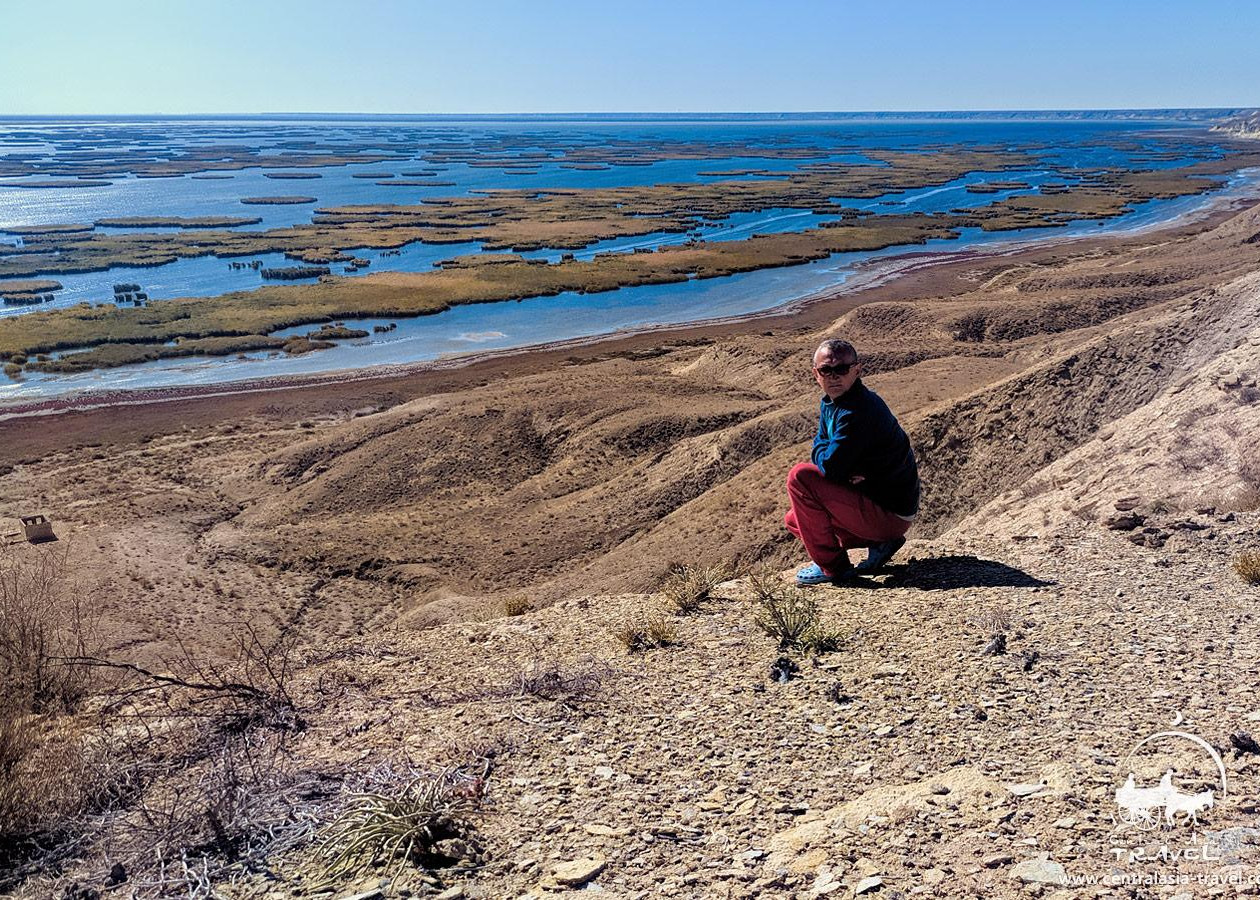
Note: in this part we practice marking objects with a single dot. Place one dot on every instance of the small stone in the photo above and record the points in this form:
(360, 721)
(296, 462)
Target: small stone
(452, 893)
(996, 646)
(873, 883)
(883, 731)
(1124, 522)
(864, 769)
(1026, 790)
(1038, 871)
(604, 772)
(605, 830)
(1066, 822)
(577, 872)
(825, 883)
(933, 876)
(997, 859)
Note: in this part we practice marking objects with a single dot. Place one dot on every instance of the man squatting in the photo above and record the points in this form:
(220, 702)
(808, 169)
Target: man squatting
(861, 488)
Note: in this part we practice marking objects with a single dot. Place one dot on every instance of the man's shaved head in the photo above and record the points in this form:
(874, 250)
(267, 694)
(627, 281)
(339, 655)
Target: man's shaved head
(836, 349)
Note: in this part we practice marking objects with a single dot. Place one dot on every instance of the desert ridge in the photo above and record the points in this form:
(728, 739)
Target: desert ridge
(472, 577)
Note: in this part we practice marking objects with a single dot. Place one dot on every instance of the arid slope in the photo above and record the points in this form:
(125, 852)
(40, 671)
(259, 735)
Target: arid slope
(1085, 434)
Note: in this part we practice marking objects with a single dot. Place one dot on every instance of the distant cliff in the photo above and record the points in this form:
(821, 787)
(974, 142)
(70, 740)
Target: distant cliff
(1244, 124)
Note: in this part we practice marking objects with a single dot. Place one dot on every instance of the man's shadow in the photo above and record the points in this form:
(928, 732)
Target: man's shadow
(947, 573)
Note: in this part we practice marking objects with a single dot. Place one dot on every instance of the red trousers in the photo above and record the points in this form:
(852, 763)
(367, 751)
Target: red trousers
(832, 518)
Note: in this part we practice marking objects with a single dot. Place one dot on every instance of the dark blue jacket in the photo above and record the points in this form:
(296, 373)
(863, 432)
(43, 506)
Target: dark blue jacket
(858, 435)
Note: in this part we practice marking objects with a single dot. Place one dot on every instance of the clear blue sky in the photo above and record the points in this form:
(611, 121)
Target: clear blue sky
(177, 56)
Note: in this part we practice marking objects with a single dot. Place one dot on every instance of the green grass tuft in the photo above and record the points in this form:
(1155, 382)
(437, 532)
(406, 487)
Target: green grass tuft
(401, 827)
(792, 617)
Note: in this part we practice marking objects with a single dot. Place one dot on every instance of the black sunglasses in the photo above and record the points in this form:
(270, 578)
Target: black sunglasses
(840, 369)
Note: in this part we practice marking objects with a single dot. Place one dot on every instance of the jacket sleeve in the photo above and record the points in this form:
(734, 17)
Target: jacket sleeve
(835, 447)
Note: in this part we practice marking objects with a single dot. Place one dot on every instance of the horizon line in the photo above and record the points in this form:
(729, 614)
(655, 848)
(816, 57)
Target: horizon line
(1203, 110)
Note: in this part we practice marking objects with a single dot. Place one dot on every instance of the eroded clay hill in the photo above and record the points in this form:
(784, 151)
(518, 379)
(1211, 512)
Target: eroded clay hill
(967, 739)
(604, 474)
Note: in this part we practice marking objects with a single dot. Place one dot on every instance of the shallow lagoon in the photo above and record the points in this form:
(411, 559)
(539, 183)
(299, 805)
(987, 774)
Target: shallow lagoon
(213, 275)
(486, 327)
(495, 326)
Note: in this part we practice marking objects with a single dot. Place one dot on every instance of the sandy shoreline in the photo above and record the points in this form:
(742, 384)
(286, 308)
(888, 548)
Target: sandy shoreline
(869, 276)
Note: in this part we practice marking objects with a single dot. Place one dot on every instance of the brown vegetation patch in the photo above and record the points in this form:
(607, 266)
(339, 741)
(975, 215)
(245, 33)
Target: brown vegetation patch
(45, 229)
(29, 286)
(124, 354)
(55, 183)
(277, 201)
(395, 294)
(178, 221)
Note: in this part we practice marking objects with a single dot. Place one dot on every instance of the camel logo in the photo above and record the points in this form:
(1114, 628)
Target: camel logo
(1145, 806)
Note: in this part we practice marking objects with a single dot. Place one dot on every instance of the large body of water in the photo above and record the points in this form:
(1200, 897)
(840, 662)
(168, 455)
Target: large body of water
(1054, 148)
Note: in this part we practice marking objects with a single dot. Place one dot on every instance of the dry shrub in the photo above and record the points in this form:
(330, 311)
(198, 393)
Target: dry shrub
(661, 632)
(197, 806)
(43, 625)
(991, 621)
(687, 587)
(638, 634)
(517, 605)
(184, 776)
(1198, 456)
(44, 622)
(1247, 565)
(250, 688)
(551, 680)
(632, 634)
(44, 787)
(1248, 497)
(194, 780)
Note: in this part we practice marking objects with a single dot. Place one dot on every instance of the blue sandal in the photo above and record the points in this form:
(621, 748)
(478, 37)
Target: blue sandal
(813, 574)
